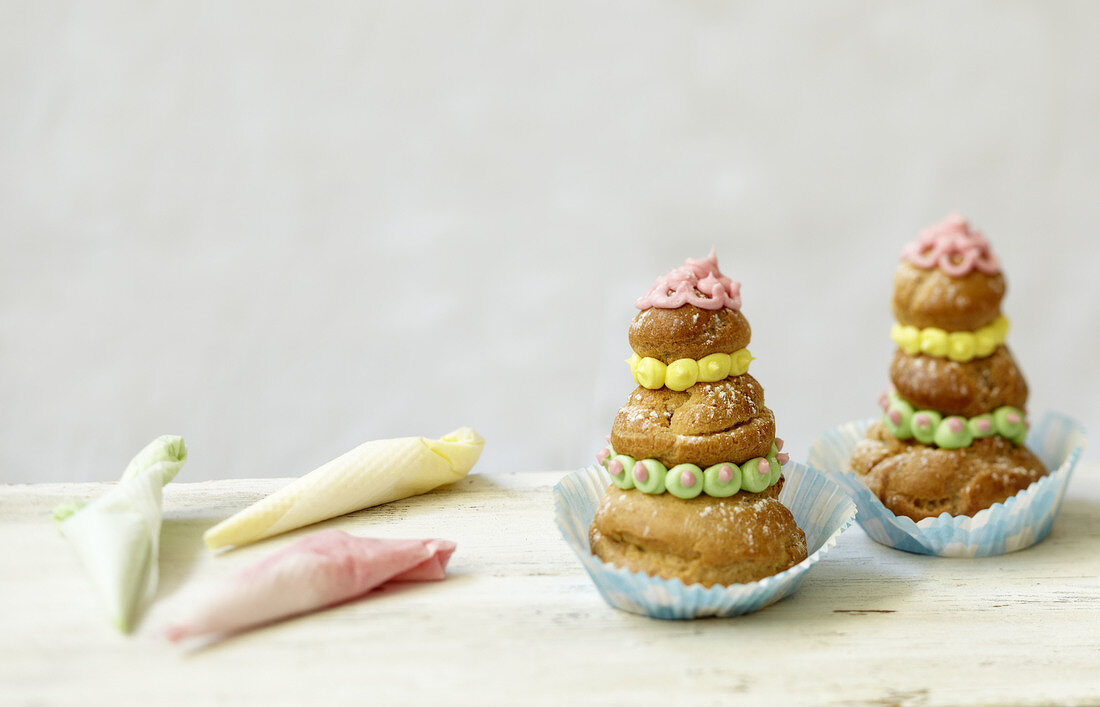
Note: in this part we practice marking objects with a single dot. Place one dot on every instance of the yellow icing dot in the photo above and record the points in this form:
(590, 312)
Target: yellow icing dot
(650, 373)
(739, 362)
(933, 341)
(714, 367)
(984, 342)
(908, 339)
(960, 346)
(633, 363)
(682, 374)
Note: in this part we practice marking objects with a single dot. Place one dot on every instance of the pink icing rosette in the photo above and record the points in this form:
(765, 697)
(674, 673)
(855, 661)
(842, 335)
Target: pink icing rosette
(698, 282)
(953, 247)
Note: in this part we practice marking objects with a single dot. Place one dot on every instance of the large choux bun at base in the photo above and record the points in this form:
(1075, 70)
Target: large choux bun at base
(931, 298)
(703, 540)
(709, 423)
(688, 332)
(918, 481)
(952, 388)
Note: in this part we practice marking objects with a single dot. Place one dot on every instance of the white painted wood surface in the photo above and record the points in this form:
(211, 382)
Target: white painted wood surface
(518, 621)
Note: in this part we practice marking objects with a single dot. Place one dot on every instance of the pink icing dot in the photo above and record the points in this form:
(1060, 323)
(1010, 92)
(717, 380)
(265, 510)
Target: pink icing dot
(615, 467)
(779, 443)
(894, 416)
(687, 479)
(698, 282)
(640, 472)
(921, 420)
(953, 247)
(602, 455)
(883, 401)
(984, 426)
(1013, 418)
(782, 458)
(725, 474)
(763, 466)
(955, 424)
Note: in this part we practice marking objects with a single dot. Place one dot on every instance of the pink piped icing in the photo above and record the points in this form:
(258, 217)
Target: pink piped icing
(955, 424)
(920, 419)
(1013, 418)
(640, 472)
(779, 444)
(698, 282)
(615, 467)
(725, 474)
(984, 426)
(687, 479)
(602, 455)
(782, 458)
(763, 466)
(953, 247)
(895, 417)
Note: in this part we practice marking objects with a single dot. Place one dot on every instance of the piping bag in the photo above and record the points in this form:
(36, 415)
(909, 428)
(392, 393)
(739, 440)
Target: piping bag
(323, 569)
(117, 536)
(371, 474)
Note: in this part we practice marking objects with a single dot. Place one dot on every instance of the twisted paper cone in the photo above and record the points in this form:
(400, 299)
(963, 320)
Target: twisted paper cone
(371, 474)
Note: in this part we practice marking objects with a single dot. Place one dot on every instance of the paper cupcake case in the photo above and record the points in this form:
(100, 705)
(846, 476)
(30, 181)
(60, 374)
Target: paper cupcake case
(1019, 522)
(821, 508)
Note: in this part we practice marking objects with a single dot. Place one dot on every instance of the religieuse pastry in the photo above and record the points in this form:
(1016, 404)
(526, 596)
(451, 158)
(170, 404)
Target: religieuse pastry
(951, 437)
(696, 465)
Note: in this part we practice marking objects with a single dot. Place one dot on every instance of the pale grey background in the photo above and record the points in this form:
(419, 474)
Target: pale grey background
(281, 229)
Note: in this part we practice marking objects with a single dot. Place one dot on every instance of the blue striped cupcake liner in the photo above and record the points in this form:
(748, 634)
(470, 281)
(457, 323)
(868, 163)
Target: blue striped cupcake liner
(821, 508)
(1019, 522)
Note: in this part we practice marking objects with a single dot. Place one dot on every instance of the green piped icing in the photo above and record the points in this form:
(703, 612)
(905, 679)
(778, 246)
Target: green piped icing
(660, 479)
(677, 475)
(625, 477)
(713, 484)
(951, 432)
(925, 424)
(649, 476)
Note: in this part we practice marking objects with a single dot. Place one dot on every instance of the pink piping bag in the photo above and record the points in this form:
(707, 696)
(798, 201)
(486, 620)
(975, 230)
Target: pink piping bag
(321, 570)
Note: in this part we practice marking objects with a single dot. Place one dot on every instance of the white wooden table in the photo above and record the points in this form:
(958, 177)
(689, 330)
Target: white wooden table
(518, 621)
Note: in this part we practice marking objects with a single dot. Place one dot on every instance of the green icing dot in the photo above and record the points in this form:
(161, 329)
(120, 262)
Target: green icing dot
(654, 477)
(902, 412)
(947, 438)
(924, 424)
(774, 474)
(713, 484)
(1010, 423)
(751, 478)
(674, 481)
(982, 426)
(624, 480)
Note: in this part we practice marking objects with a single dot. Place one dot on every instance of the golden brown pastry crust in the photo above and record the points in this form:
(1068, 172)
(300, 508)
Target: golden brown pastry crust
(704, 540)
(918, 481)
(706, 424)
(953, 388)
(932, 298)
(688, 332)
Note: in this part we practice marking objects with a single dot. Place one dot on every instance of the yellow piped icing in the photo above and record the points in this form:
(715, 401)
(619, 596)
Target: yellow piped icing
(959, 346)
(683, 373)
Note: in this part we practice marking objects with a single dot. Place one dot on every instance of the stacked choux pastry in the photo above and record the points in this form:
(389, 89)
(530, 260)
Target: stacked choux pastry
(951, 436)
(693, 457)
